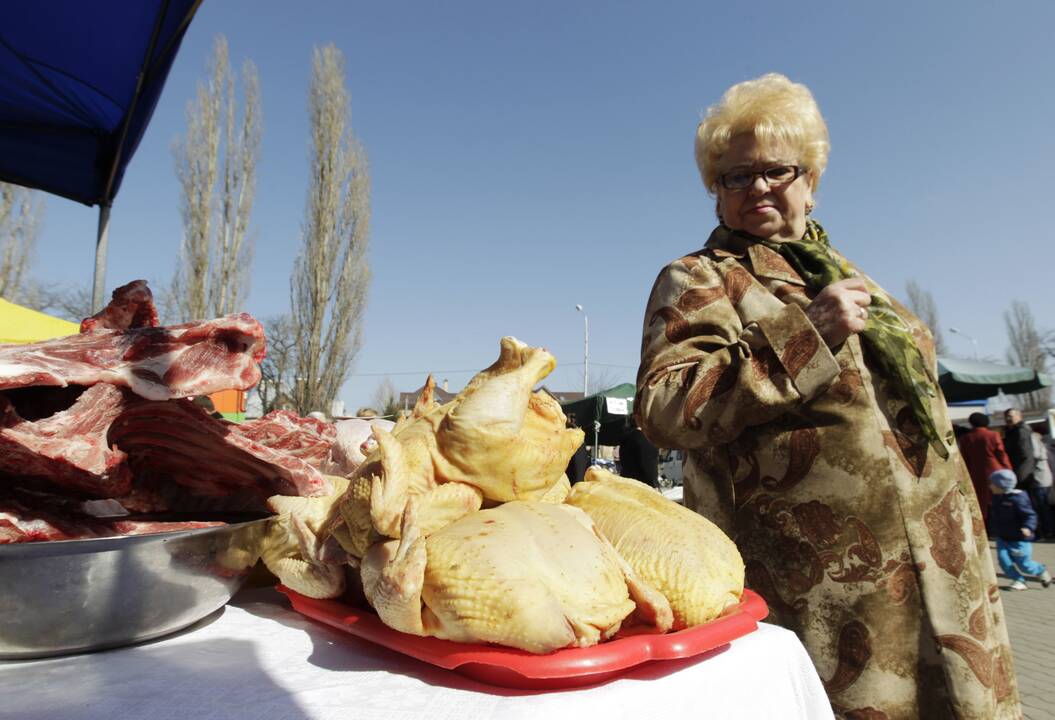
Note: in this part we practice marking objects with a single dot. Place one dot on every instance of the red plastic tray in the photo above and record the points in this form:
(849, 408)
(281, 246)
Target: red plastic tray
(509, 667)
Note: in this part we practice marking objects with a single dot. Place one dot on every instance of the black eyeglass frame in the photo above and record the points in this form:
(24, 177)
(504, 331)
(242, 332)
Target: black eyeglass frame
(799, 172)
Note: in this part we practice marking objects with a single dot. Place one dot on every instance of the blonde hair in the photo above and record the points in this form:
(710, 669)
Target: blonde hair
(774, 110)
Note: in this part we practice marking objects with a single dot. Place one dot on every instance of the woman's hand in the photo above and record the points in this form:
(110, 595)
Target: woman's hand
(840, 310)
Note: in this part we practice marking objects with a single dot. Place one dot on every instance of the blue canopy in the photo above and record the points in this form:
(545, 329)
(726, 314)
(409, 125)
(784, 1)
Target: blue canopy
(79, 81)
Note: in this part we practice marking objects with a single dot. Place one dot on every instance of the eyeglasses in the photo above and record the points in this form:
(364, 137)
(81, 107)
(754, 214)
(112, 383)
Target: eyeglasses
(776, 175)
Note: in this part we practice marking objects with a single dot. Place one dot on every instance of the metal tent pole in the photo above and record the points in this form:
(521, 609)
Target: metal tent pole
(99, 279)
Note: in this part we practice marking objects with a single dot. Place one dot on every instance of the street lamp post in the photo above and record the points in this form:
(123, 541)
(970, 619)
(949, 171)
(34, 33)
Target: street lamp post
(974, 342)
(585, 351)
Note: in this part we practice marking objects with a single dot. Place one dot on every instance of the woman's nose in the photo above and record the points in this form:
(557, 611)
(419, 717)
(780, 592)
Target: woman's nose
(758, 186)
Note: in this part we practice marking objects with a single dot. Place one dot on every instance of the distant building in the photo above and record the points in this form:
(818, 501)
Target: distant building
(407, 400)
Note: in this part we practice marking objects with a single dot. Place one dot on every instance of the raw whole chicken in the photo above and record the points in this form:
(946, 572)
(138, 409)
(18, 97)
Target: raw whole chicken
(531, 575)
(680, 553)
(497, 440)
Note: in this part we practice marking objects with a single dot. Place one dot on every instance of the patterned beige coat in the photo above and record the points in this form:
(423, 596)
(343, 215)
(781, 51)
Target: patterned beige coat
(858, 535)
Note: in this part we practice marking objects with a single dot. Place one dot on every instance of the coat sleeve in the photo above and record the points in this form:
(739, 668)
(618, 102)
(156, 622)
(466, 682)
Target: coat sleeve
(1020, 451)
(709, 369)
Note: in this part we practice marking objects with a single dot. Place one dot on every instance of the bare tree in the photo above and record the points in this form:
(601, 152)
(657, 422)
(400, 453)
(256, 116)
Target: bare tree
(1026, 349)
(1048, 341)
(385, 399)
(72, 303)
(216, 168)
(21, 213)
(604, 379)
(276, 371)
(922, 304)
(331, 275)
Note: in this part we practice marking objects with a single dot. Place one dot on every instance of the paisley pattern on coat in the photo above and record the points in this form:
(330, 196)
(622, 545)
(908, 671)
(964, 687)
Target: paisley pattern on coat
(945, 525)
(854, 529)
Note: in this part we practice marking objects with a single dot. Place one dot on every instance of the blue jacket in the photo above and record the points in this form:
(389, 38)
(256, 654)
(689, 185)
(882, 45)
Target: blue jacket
(1009, 513)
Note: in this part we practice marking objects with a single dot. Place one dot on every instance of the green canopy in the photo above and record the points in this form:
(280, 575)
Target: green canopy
(963, 380)
(611, 407)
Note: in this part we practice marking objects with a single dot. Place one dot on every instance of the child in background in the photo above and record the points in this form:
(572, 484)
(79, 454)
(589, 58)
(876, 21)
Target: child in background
(1014, 524)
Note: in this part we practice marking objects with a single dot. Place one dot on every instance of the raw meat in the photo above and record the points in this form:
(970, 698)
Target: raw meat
(68, 449)
(178, 442)
(21, 523)
(131, 306)
(304, 437)
(157, 363)
(531, 575)
(679, 552)
(496, 436)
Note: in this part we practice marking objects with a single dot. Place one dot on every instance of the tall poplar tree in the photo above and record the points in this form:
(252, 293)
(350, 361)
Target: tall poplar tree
(329, 284)
(216, 167)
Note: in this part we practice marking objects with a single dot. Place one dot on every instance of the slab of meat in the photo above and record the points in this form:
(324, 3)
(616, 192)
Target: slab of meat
(177, 442)
(307, 438)
(38, 402)
(157, 363)
(69, 448)
(20, 523)
(131, 306)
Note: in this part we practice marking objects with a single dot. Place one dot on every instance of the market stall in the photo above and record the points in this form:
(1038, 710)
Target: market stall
(604, 415)
(964, 380)
(21, 325)
(257, 658)
(130, 516)
(79, 82)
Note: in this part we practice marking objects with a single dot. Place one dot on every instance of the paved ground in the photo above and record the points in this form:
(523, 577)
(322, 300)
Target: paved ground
(1031, 624)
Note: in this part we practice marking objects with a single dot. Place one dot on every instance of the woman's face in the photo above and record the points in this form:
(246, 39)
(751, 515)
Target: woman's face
(776, 212)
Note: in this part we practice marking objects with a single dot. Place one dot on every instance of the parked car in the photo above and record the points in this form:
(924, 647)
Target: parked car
(670, 462)
(609, 465)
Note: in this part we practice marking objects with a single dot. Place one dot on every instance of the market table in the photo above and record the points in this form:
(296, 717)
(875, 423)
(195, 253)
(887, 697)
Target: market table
(257, 658)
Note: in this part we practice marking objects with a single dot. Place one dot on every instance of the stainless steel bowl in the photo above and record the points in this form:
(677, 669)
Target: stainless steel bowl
(79, 595)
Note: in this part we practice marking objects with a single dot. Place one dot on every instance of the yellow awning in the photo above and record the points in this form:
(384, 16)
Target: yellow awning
(22, 325)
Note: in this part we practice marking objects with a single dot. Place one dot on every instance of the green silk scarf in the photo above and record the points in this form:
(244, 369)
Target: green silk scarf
(886, 337)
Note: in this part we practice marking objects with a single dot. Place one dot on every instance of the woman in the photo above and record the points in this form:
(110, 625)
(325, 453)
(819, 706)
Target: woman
(816, 435)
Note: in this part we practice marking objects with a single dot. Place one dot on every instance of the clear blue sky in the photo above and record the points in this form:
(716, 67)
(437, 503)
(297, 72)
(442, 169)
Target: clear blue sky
(526, 157)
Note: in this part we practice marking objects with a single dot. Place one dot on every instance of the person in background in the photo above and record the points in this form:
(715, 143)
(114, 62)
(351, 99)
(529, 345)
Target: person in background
(1019, 445)
(1042, 476)
(638, 458)
(580, 461)
(1014, 526)
(1049, 446)
(984, 453)
(815, 432)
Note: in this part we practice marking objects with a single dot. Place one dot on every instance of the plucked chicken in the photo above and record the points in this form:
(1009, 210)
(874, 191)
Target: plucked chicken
(680, 553)
(497, 440)
(531, 575)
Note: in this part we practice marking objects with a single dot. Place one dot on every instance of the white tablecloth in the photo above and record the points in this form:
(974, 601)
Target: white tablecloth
(257, 658)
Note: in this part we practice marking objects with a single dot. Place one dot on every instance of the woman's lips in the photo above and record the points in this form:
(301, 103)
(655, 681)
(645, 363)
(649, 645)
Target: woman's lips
(761, 209)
